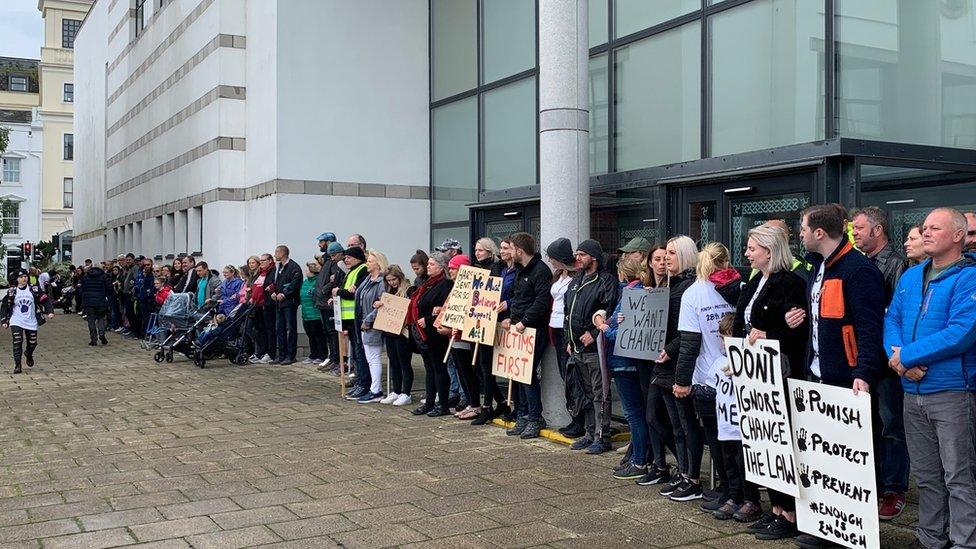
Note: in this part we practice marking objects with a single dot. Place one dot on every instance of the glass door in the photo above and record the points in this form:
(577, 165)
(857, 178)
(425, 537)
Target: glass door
(498, 223)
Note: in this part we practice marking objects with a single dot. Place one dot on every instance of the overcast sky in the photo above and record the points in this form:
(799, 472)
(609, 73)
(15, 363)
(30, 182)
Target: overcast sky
(21, 29)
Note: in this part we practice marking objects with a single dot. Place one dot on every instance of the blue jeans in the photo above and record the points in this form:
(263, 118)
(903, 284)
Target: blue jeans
(635, 410)
(456, 388)
(530, 401)
(286, 326)
(892, 461)
(357, 354)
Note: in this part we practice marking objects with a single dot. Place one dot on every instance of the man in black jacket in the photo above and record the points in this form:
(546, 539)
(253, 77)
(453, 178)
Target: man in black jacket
(329, 275)
(287, 281)
(529, 308)
(591, 290)
(96, 287)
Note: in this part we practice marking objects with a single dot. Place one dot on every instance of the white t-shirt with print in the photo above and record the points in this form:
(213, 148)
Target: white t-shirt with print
(701, 311)
(23, 313)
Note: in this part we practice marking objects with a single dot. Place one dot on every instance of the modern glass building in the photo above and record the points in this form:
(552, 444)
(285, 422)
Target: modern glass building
(708, 117)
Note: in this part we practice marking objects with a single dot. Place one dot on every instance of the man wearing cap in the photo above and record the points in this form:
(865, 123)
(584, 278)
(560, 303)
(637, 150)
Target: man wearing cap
(450, 247)
(330, 276)
(21, 309)
(638, 248)
(355, 259)
(592, 290)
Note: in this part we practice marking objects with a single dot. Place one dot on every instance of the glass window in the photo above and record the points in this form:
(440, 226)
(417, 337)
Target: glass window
(702, 228)
(69, 29)
(69, 93)
(907, 72)
(658, 100)
(767, 75)
(140, 16)
(617, 217)
(11, 170)
(455, 160)
(747, 213)
(18, 83)
(510, 136)
(597, 16)
(455, 47)
(459, 233)
(10, 217)
(69, 146)
(508, 36)
(630, 16)
(68, 200)
(599, 114)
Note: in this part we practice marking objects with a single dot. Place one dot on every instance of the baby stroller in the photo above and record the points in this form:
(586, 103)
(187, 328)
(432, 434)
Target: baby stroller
(178, 320)
(67, 298)
(224, 336)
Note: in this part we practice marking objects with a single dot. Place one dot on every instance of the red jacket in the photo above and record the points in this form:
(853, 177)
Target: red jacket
(163, 293)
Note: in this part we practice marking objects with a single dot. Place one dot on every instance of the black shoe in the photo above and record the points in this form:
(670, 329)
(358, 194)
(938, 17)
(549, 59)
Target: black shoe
(30, 361)
(274, 361)
(654, 476)
(422, 410)
(92, 343)
(453, 401)
(439, 411)
(672, 485)
(780, 528)
(760, 524)
(102, 339)
(18, 369)
(532, 429)
(712, 495)
(582, 443)
(688, 491)
(518, 428)
(501, 410)
(287, 362)
(813, 542)
(749, 511)
(483, 417)
(630, 472)
(712, 506)
(727, 510)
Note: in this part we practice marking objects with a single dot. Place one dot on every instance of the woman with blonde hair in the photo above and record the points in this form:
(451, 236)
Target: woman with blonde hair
(712, 294)
(485, 253)
(398, 350)
(367, 294)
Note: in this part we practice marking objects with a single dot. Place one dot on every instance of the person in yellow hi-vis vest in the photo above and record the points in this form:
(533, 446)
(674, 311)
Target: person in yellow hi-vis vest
(355, 259)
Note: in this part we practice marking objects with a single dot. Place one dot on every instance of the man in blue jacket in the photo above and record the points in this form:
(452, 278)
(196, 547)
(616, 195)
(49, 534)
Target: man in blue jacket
(929, 336)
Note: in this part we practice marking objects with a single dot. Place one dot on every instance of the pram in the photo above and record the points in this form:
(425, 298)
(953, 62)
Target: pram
(225, 336)
(176, 321)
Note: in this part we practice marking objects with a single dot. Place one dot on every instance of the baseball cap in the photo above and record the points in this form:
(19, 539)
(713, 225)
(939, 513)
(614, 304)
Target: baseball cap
(639, 244)
(449, 244)
(334, 248)
(327, 236)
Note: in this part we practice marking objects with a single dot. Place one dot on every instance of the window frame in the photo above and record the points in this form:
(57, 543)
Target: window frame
(11, 223)
(19, 77)
(140, 16)
(68, 96)
(68, 193)
(68, 146)
(69, 31)
(9, 161)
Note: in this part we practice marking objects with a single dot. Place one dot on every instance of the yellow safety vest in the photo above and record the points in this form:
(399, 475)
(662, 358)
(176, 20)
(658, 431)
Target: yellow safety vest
(349, 305)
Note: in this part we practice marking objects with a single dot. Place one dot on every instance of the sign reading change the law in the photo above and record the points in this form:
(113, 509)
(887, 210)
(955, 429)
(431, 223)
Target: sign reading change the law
(480, 316)
(835, 457)
(512, 354)
(767, 444)
(645, 323)
(390, 317)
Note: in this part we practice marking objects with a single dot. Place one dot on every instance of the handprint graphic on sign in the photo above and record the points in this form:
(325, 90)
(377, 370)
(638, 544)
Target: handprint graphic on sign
(798, 398)
(801, 440)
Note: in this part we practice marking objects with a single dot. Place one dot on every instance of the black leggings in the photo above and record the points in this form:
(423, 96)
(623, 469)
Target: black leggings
(738, 489)
(401, 371)
(659, 398)
(19, 334)
(705, 409)
(468, 374)
(694, 435)
(438, 383)
(489, 385)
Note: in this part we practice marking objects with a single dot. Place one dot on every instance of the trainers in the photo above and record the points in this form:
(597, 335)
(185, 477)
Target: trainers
(892, 505)
(390, 398)
(748, 512)
(532, 429)
(326, 363)
(726, 511)
(598, 447)
(688, 491)
(779, 528)
(812, 542)
(369, 397)
(356, 393)
(630, 472)
(308, 360)
(672, 485)
(403, 400)
(761, 524)
(266, 359)
(518, 428)
(582, 443)
(713, 505)
(654, 476)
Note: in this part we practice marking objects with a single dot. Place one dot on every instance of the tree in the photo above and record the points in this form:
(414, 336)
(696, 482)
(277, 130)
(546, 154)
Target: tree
(4, 138)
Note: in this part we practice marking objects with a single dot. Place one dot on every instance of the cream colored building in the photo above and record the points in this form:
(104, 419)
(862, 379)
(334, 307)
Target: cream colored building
(62, 19)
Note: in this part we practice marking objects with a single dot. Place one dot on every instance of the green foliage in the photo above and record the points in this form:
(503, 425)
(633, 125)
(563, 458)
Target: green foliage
(4, 138)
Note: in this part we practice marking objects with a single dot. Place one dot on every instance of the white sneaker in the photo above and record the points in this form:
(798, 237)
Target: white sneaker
(423, 401)
(266, 359)
(388, 399)
(326, 362)
(403, 400)
(308, 360)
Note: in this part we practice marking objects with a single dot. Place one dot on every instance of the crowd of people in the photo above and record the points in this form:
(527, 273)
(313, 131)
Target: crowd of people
(855, 312)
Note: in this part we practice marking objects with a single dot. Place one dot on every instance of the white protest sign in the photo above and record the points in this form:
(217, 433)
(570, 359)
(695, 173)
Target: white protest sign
(726, 407)
(513, 354)
(645, 323)
(838, 501)
(767, 444)
(337, 313)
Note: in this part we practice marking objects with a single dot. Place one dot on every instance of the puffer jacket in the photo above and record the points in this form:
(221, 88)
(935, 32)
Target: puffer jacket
(228, 294)
(367, 293)
(934, 327)
(96, 286)
(530, 300)
(664, 371)
(587, 294)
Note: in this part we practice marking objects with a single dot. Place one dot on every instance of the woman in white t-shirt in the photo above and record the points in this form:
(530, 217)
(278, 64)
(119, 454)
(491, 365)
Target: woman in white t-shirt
(20, 310)
(703, 304)
(561, 259)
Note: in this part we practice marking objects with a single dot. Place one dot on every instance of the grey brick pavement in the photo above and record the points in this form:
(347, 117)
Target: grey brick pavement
(101, 447)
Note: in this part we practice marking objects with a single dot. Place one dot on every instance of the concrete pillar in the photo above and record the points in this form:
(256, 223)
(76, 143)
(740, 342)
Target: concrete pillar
(564, 172)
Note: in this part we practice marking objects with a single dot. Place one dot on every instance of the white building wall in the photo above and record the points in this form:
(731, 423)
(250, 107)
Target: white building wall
(261, 113)
(26, 146)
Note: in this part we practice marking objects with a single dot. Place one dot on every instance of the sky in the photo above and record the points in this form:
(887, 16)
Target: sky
(21, 29)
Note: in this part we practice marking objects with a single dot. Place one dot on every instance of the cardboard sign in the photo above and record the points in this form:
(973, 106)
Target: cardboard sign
(480, 318)
(337, 312)
(835, 453)
(460, 297)
(391, 315)
(641, 334)
(767, 443)
(512, 355)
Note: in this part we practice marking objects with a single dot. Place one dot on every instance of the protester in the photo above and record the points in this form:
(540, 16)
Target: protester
(561, 259)
(914, 250)
(228, 290)
(638, 248)
(398, 350)
(418, 264)
(450, 247)
(287, 282)
(462, 355)
(592, 290)
(326, 278)
(355, 260)
(487, 256)
(658, 267)
(356, 241)
(96, 287)
(506, 269)
(760, 314)
(368, 293)
(23, 309)
(970, 231)
(114, 307)
(189, 283)
(163, 289)
(529, 308)
(312, 315)
(929, 339)
(144, 295)
(263, 312)
(425, 304)
(207, 285)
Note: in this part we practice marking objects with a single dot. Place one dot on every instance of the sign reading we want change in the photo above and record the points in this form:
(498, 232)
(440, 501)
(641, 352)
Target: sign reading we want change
(838, 501)
(645, 323)
(470, 307)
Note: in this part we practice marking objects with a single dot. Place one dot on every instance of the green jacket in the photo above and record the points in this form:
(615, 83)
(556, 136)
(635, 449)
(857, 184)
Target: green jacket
(309, 310)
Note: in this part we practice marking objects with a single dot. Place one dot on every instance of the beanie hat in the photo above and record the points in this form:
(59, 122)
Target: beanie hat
(593, 249)
(358, 253)
(561, 250)
(457, 261)
(334, 248)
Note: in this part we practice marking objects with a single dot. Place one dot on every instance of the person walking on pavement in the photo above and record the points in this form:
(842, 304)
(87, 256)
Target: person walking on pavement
(592, 290)
(23, 309)
(287, 283)
(96, 287)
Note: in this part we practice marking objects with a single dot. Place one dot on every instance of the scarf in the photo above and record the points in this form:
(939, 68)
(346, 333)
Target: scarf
(413, 312)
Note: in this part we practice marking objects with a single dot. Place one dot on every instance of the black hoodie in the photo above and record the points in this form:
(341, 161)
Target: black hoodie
(95, 287)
